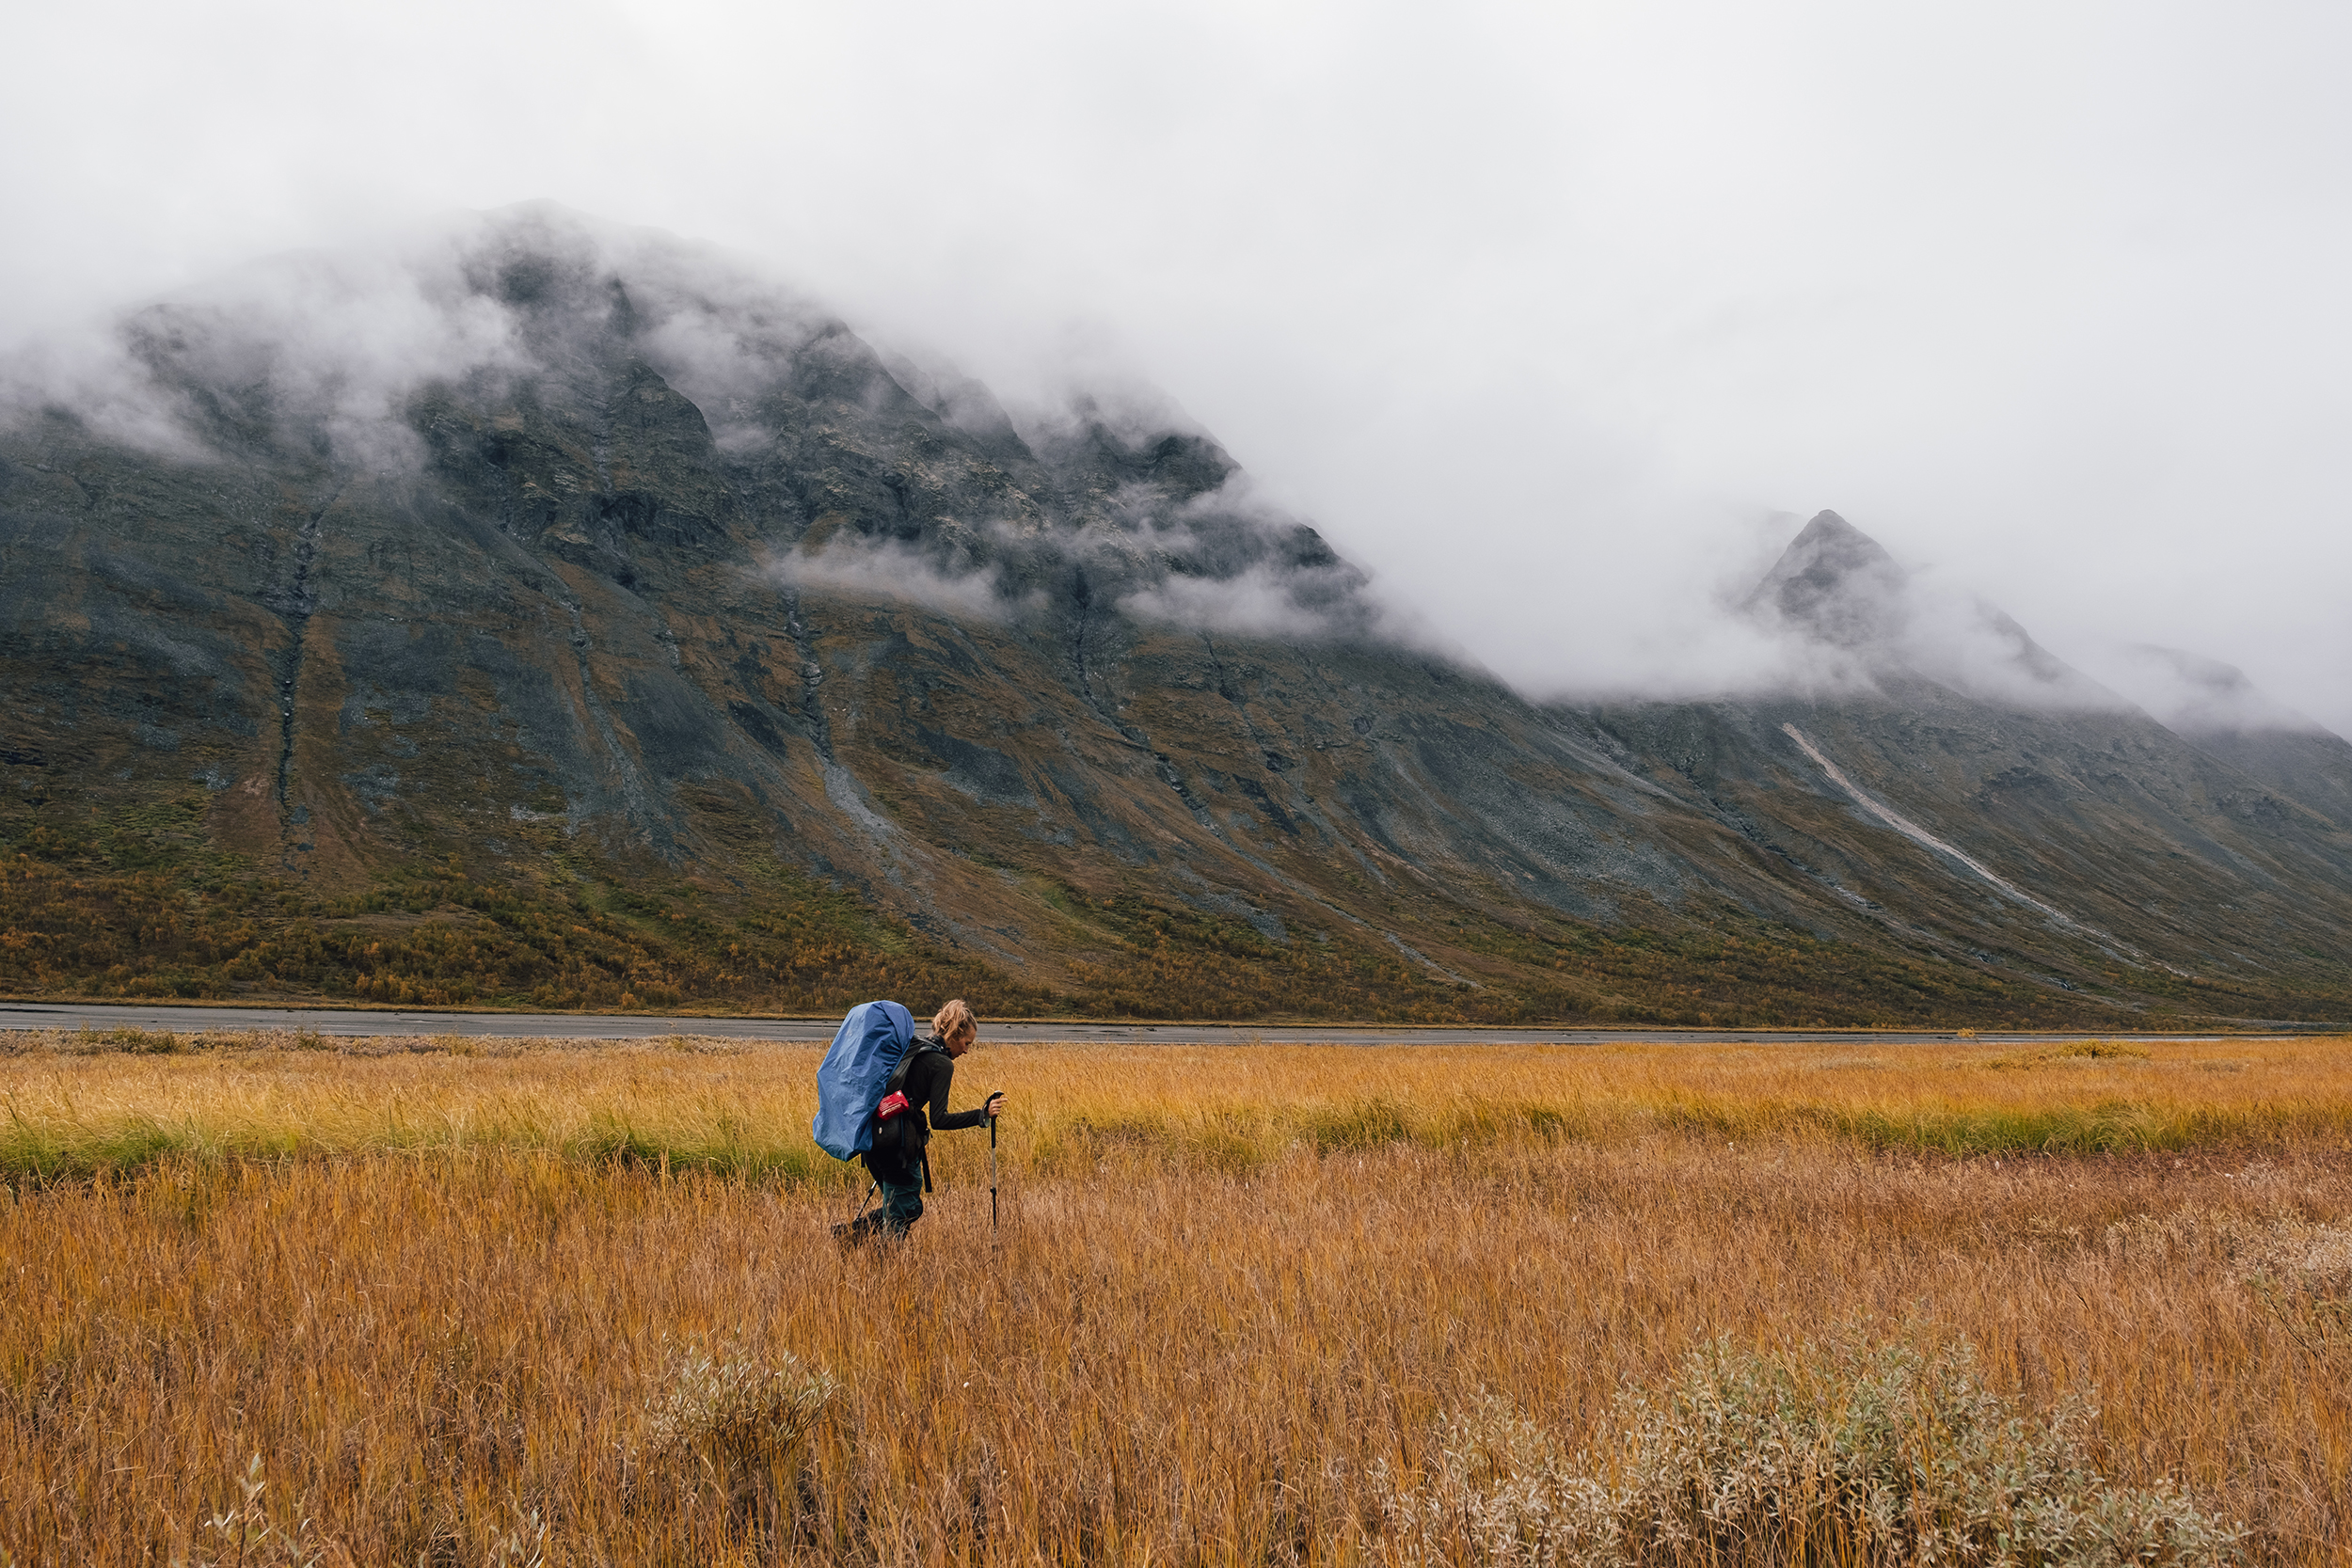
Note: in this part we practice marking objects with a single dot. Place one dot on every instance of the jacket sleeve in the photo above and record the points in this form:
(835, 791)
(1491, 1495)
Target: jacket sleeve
(942, 1075)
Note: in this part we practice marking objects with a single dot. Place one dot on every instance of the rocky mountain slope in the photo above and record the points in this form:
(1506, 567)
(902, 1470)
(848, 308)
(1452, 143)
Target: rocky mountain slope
(627, 634)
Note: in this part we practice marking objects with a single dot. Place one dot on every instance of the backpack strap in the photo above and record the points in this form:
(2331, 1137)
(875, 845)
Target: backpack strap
(899, 1073)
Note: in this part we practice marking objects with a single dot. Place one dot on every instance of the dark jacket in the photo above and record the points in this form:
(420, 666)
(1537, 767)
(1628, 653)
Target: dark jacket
(930, 1072)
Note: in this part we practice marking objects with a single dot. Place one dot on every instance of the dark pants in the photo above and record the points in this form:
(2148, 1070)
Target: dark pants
(902, 1205)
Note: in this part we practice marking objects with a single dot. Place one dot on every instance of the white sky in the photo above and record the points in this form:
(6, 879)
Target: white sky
(1541, 311)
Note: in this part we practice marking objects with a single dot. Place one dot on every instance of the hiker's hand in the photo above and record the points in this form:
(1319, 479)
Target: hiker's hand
(996, 1106)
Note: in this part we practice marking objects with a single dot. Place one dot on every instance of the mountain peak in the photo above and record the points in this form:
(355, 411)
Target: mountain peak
(1837, 582)
(1828, 525)
(1837, 585)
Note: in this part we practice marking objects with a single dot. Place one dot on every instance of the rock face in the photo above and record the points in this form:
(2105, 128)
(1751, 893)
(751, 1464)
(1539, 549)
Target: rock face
(628, 576)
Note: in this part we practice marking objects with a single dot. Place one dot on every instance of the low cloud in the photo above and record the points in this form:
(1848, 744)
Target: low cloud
(1954, 636)
(899, 574)
(323, 348)
(1842, 609)
(2192, 694)
(314, 349)
(1231, 560)
(1259, 602)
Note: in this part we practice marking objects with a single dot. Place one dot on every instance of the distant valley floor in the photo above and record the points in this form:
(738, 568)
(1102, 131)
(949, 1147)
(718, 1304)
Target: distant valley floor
(356, 1022)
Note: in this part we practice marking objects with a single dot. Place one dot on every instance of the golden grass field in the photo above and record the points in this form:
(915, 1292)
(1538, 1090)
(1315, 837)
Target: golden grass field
(511, 1302)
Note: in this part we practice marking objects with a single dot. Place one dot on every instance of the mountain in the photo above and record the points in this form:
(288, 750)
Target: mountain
(2214, 706)
(556, 616)
(2018, 807)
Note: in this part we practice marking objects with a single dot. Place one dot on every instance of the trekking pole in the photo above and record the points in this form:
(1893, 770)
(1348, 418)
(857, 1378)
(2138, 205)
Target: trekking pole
(992, 1173)
(848, 1231)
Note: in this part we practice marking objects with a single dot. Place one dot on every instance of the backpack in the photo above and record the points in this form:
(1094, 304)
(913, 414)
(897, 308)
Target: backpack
(898, 1135)
(856, 1073)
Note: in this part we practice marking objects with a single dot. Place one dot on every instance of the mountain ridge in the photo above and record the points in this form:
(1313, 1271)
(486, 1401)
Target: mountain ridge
(663, 646)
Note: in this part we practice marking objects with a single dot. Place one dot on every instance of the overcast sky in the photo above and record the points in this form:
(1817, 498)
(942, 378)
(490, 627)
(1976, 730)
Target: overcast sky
(1543, 312)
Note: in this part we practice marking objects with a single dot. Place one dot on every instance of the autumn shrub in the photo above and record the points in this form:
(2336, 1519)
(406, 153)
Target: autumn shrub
(1845, 1453)
(726, 1404)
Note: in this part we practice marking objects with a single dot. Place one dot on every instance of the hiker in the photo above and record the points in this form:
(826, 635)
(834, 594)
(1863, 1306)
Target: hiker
(897, 1160)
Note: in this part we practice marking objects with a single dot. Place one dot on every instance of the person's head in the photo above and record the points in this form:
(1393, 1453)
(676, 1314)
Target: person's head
(956, 1027)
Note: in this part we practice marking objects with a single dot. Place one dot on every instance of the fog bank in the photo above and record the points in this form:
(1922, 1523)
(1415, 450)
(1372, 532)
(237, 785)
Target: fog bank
(1551, 318)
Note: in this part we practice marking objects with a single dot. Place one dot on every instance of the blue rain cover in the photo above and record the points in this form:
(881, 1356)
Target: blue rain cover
(855, 1072)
